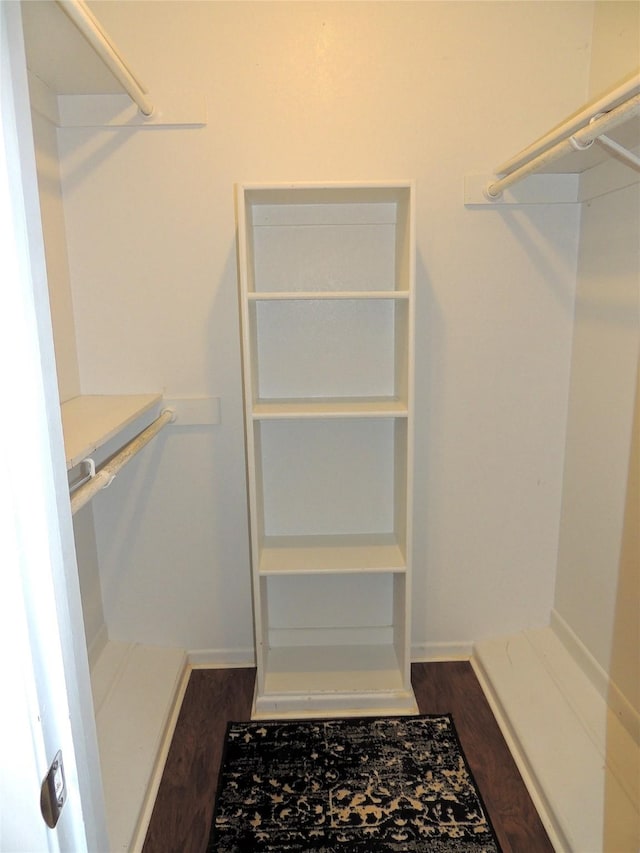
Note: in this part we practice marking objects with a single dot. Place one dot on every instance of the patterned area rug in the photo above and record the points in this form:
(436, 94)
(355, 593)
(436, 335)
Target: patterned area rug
(397, 784)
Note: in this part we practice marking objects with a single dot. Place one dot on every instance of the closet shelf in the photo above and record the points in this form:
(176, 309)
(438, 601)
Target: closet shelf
(282, 555)
(355, 679)
(549, 170)
(79, 78)
(326, 295)
(330, 407)
(90, 421)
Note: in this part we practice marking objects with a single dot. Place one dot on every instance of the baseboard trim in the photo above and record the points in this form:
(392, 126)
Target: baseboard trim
(241, 658)
(221, 658)
(433, 652)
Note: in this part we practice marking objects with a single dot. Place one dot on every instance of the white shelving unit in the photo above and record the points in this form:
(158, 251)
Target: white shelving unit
(327, 313)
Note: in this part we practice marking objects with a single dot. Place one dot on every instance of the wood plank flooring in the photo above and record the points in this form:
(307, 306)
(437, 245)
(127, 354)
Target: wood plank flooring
(184, 806)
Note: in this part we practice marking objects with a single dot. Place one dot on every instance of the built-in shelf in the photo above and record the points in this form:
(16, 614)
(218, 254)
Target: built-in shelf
(570, 164)
(326, 554)
(90, 421)
(327, 296)
(77, 78)
(333, 668)
(338, 407)
(626, 135)
(327, 329)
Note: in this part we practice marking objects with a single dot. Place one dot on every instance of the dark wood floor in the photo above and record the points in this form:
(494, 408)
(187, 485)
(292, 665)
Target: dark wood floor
(183, 811)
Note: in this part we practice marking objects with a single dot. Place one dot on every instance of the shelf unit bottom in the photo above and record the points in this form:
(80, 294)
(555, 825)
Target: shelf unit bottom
(318, 681)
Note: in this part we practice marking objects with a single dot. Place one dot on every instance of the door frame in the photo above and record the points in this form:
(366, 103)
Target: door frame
(45, 644)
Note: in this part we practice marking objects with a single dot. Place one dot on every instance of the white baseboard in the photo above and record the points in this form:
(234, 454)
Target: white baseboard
(230, 658)
(433, 652)
(221, 658)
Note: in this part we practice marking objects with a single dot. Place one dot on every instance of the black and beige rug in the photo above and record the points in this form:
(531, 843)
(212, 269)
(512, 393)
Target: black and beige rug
(398, 784)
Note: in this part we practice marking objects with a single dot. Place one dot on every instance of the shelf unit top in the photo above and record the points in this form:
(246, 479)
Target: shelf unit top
(326, 241)
(332, 193)
(90, 421)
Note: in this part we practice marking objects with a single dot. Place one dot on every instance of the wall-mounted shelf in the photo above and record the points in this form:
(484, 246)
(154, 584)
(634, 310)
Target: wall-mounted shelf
(90, 421)
(78, 78)
(565, 165)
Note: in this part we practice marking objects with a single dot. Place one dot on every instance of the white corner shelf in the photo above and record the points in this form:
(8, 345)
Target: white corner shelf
(90, 421)
(326, 274)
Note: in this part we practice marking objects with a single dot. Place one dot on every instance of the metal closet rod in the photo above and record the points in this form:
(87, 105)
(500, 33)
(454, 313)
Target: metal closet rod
(91, 29)
(598, 125)
(106, 474)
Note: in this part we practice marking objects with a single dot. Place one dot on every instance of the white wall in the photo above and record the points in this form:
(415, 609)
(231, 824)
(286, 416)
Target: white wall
(597, 590)
(307, 91)
(52, 213)
(62, 318)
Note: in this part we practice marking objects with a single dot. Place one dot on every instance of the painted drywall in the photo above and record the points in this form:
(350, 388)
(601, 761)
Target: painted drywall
(89, 576)
(63, 324)
(624, 667)
(52, 213)
(313, 92)
(594, 575)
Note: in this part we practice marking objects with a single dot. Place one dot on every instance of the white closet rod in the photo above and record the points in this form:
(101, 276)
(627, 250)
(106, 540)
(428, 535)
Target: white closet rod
(90, 27)
(604, 104)
(579, 140)
(105, 475)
